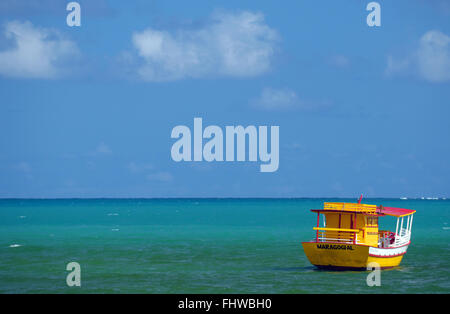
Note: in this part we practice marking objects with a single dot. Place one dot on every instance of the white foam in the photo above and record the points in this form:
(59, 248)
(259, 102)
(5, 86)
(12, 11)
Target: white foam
(115, 229)
(15, 245)
(113, 214)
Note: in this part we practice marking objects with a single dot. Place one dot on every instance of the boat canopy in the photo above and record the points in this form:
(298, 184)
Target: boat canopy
(368, 210)
(394, 211)
(342, 208)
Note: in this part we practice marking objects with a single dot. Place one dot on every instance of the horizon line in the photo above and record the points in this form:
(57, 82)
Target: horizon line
(220, 197)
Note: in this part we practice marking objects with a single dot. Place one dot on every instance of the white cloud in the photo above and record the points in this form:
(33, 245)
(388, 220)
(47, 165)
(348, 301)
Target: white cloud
(238, 45)
(36, 53)
(23, 167)
(139, 167)
(433, 56)
(340, 61)
(277, 99)
(160, 176)
(431, 60)
(285, 99)
(396, 66)
(102, 148)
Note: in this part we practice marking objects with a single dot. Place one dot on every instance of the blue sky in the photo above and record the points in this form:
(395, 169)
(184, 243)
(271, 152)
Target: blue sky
(88, 111)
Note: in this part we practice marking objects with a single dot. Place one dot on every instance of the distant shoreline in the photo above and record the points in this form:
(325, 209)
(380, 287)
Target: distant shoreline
(226, 198)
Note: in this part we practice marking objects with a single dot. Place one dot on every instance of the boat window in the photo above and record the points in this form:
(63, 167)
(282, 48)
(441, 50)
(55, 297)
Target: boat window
(372, 221)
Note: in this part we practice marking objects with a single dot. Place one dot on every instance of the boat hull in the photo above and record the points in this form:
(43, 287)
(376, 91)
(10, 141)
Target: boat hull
(351, 256)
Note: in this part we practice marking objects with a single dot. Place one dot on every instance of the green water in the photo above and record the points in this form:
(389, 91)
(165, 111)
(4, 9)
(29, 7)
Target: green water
(199, 246)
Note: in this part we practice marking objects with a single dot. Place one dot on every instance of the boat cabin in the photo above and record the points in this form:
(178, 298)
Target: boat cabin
(355, 223)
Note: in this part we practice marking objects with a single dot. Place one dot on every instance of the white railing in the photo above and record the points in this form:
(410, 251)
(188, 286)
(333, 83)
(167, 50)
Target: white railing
(340, 235)
(403, 234)
(339, 240)
(390, 239)
(402, 237)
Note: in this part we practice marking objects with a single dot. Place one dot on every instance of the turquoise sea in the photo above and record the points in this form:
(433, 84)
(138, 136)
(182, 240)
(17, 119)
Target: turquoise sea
(200, 246)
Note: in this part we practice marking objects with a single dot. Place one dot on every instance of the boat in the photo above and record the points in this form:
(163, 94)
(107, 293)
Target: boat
(350, 237)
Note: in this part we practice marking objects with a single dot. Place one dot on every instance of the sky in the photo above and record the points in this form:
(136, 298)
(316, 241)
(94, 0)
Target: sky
(88, 111)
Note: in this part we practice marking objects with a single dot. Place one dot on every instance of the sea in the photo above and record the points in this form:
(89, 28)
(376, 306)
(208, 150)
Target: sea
(201, 246)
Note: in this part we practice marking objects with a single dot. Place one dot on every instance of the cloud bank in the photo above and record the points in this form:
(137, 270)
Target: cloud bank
(35, 53)
(233, 45)
(434, 56)
(431, 60)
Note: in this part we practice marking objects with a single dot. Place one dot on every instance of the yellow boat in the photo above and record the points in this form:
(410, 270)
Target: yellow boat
(350, 239)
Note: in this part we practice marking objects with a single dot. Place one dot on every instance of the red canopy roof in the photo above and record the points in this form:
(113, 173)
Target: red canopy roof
(394, 211)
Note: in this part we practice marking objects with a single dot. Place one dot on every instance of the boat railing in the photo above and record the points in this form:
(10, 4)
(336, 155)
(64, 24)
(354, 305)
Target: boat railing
(391, 239)
(402, 237)
(339, 235)
(403, 231)
(352, 207)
